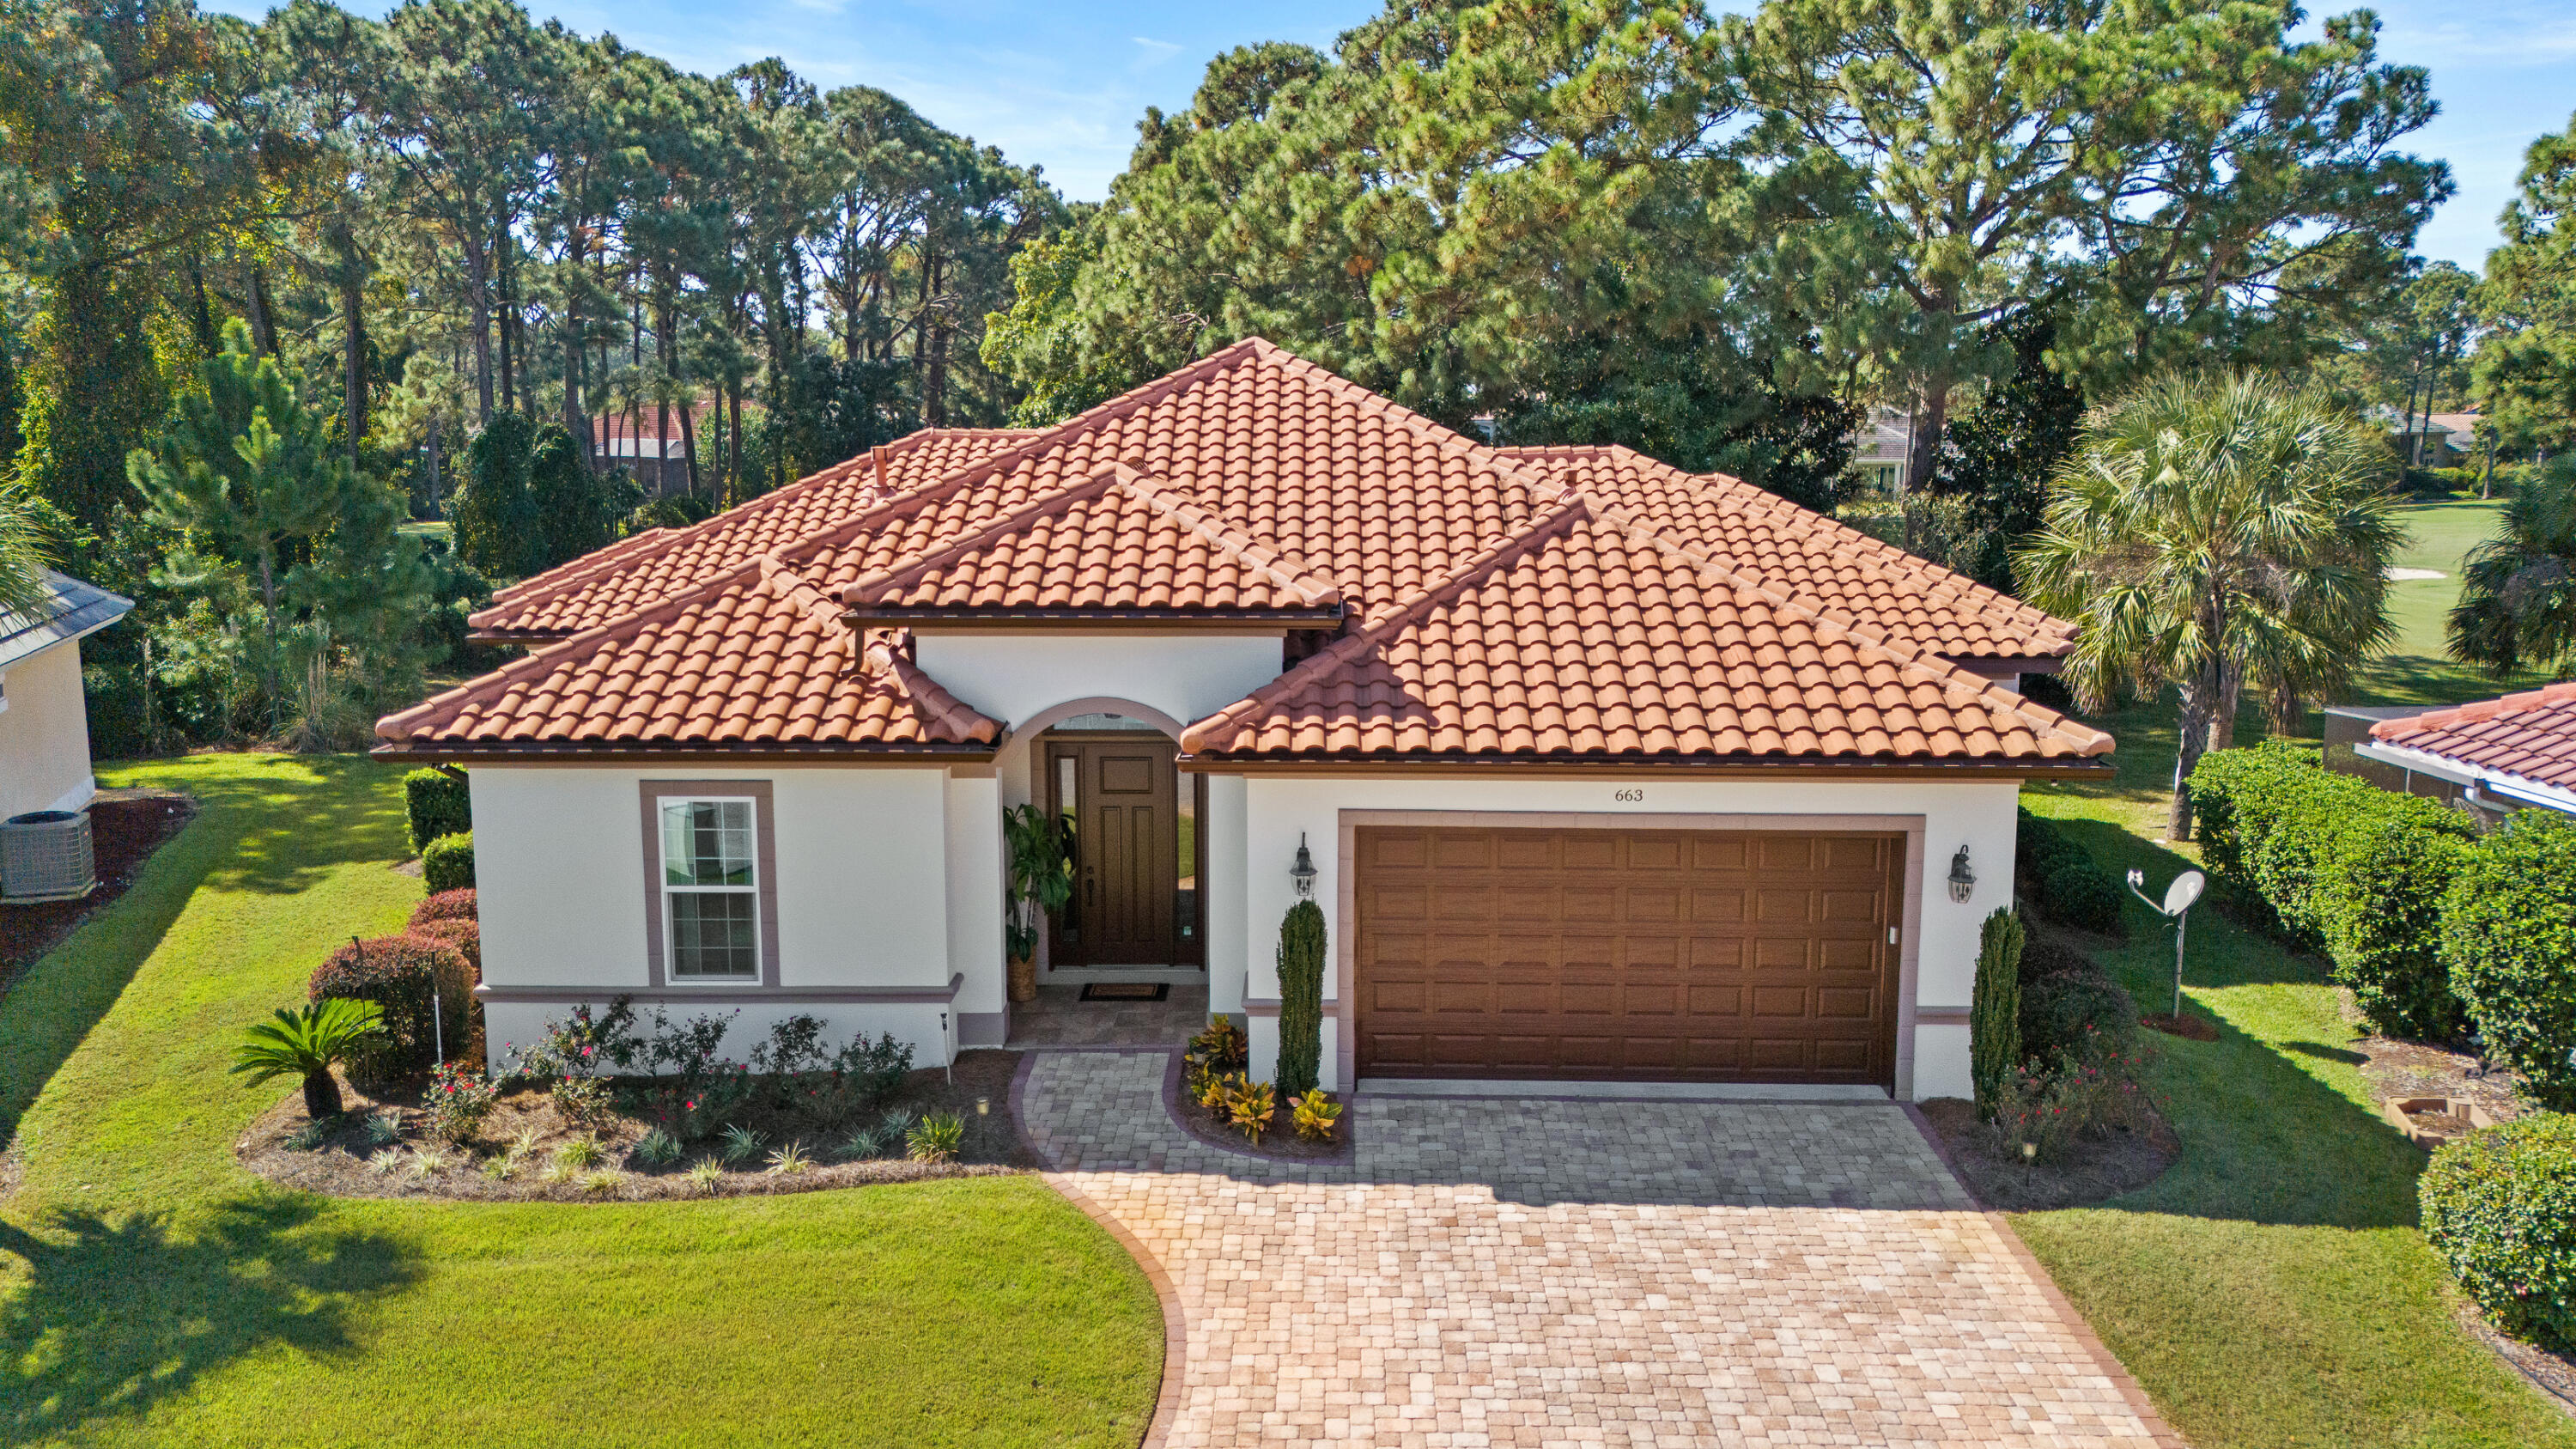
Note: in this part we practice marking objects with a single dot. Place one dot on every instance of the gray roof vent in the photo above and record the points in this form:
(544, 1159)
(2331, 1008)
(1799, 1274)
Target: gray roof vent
(45, 855)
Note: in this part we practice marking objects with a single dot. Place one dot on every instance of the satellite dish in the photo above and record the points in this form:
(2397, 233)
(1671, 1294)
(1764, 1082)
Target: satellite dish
(2186, 888)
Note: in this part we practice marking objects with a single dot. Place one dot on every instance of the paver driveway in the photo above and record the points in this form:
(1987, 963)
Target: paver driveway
(1518, 1272)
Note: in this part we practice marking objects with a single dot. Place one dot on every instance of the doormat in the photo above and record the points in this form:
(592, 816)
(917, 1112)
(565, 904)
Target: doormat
(1126, 990)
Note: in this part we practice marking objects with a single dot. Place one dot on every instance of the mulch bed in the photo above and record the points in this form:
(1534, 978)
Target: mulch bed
(126, 827)
(339, 1165)
(2098, 1168)
(2553, 1373)
(2186, 1026)
(2396, 1067)
(1280, 1144)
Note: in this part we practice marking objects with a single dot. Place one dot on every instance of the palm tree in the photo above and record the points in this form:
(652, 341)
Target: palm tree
(26, 551)
(2517, 604)
(308, 1044)
(2207, 531)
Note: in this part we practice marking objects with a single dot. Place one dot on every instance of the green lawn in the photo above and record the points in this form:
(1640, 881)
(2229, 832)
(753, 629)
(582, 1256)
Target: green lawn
(153, 1293)
(2273, 1288)
(2440, 534)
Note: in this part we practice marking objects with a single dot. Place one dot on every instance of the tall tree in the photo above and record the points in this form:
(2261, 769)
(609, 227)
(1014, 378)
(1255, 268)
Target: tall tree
(2179, 172)
(2517, 606)
(2209, 532)
(2526, 366)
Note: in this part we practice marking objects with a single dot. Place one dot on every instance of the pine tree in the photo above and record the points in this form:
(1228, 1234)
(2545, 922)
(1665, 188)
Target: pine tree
(497, 525)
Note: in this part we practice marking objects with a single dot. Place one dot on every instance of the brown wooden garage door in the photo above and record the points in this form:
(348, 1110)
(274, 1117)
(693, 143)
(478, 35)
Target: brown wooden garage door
(1646, 955)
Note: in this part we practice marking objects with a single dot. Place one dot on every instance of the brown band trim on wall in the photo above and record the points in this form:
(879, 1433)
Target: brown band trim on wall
(1941, 1016)
(727, 995)
(652, 793)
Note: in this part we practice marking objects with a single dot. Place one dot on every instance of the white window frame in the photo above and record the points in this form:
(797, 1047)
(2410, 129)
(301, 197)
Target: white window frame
(671, 973)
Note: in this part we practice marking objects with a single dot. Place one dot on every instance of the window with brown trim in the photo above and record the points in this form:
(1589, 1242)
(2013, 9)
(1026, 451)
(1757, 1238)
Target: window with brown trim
(710, 890)
(711, 883)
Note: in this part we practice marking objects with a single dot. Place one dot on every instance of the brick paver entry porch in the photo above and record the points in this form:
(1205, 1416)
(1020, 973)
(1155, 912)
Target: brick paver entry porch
(1524, 1272)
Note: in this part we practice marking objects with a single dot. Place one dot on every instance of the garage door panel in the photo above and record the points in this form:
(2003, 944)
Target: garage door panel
(1642, 954)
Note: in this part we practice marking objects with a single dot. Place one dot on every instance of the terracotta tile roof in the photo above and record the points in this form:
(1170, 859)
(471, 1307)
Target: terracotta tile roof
(1596, 635)
(1117, 542)
(1578, 602)
(652, 566)
(758, 657)
(2532, 734)
(1908, 599)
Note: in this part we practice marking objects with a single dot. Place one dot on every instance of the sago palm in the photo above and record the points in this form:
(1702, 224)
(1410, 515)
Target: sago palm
(2208, 531)
(2517, 606)
(308, 1043)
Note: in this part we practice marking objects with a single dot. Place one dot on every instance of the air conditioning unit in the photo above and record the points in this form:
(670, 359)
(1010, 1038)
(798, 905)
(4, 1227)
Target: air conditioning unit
(46, 856)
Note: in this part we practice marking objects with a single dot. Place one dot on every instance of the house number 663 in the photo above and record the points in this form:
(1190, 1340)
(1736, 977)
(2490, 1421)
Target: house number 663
(1629, 797)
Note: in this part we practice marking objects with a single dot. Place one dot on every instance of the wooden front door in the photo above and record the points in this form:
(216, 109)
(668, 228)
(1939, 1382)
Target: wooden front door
(1122, 796)
(1650, 955)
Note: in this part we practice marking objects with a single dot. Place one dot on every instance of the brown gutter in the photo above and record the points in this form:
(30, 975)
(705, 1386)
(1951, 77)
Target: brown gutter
(553, 752)
(1549, 767)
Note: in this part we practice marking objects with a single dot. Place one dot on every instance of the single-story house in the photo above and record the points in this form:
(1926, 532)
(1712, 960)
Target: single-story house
(1605, 770)
(2493, 757)
(44, 718)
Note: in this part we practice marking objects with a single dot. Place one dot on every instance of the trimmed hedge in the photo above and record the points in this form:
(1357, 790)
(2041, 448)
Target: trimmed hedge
(445, 906)
(2509, 938)
(435, 803)
(2065, 994)
(2500, 1207)
(462, 932)
(400, 974)
(2059, 878)
(2340, 866)
(448, 864)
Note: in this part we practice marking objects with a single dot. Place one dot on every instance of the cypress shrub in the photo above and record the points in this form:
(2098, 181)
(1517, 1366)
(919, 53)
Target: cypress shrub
(2500, 1208)
(2508, 940)
(404, 975)
(1994, 1018)
(448, 863)
(435, 804)
(1301, 998)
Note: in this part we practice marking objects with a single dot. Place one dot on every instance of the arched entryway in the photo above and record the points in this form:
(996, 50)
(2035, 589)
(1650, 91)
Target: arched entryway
(1107, 768)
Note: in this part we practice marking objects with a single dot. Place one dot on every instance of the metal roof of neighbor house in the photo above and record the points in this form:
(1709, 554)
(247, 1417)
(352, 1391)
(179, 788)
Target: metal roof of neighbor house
(72, 609)
(2532, 734)
(1253, 485)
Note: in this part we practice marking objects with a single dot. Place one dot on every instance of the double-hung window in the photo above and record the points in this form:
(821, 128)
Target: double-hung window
(711, 889)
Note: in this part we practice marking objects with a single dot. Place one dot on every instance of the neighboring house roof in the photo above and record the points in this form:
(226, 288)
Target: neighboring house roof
(72, 609)
(1255, 486)
(2531, 736)
(1599, 635)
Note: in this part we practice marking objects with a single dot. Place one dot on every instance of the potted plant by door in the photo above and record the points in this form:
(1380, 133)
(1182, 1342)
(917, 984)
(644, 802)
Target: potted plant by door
(1041, 881)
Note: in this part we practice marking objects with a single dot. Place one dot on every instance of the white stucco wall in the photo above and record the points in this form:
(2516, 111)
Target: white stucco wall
(863, 879)
(1015, 677)
(44, 734)
(1978, 814)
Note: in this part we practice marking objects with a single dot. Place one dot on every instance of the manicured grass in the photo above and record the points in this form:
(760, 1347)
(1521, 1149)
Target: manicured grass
(153, 1293)
(2273, 1289)
(2440, 534)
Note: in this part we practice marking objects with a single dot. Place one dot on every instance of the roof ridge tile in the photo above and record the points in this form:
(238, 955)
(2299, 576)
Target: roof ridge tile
(2477, 712)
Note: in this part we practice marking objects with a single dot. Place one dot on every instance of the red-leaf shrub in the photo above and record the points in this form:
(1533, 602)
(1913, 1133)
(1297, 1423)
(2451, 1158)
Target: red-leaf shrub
(400, 974)
(457, 905)
(461, 932)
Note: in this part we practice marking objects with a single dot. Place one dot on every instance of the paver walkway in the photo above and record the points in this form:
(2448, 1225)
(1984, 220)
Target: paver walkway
(1523, 1272)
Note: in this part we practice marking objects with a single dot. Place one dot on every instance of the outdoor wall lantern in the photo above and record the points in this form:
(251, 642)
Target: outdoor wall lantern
(1963, 881)
(1302, 874)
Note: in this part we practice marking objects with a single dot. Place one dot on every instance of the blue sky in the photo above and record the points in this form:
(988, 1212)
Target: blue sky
(1062, 84)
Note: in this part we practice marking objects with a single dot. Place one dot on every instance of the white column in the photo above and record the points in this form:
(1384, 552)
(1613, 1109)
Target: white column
(1227, 920)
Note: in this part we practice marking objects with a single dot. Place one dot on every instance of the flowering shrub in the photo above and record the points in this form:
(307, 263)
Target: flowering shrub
(457, 1102)
(2052, 1104)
